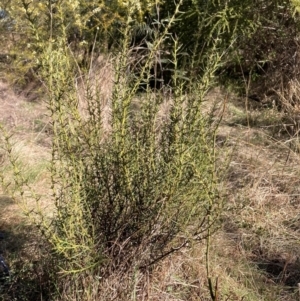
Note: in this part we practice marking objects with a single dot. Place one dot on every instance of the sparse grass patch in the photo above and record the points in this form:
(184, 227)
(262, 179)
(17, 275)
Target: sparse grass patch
(268, 119)
(22, 246)
(263, 181)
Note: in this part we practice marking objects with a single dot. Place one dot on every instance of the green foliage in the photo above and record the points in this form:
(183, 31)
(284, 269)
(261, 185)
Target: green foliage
(244, 32)
(206, 21)
(135, 188)
(84, 26)
(146, 188)
(296, 4)
(263, 61)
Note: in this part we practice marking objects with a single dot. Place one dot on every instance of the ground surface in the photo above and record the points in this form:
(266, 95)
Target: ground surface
(255, 254)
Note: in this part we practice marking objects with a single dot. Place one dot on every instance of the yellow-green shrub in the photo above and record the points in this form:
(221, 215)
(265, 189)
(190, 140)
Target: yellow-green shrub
(130, 192)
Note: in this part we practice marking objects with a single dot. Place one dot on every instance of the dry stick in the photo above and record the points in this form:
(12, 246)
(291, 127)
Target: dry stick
(41, 131)
(213, 291)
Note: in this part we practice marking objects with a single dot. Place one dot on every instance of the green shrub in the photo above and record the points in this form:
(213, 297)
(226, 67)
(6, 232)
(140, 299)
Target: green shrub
(265, 61)
(132, 186)
(132, 191)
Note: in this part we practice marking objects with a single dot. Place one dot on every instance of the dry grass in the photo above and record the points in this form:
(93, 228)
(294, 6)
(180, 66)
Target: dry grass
(263, 181)
(97, 84)
(27, 123)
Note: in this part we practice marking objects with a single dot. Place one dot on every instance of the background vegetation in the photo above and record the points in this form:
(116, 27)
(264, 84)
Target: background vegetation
(137, 174)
